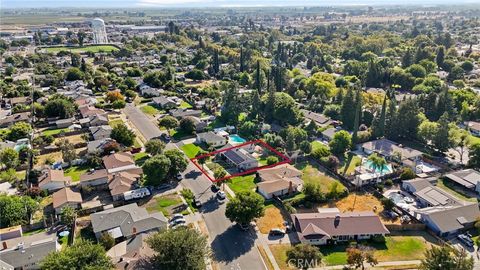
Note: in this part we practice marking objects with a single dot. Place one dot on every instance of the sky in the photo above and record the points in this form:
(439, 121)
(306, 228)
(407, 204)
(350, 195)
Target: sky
(213, 3)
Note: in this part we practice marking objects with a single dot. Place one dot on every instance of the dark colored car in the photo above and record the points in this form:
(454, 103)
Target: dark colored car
(214, 188)
(276, 232)
(165, 137)
(197, 203)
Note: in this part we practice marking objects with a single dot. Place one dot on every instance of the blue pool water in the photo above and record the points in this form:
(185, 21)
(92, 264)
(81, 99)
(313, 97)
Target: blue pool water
(386, 169)
(236, 139)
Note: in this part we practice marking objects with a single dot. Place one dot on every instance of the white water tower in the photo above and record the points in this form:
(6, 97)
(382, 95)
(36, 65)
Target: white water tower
(99, 32)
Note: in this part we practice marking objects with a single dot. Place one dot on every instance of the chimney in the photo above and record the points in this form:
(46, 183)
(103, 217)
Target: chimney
(290, 188)
(134, 231)
(4, 245)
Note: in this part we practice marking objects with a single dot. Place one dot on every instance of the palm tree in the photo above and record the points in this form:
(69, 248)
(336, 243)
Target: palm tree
(378, 163)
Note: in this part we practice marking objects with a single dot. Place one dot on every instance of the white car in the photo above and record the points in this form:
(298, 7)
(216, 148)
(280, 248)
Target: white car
(177, 221)
(221, 196)
(176, 216)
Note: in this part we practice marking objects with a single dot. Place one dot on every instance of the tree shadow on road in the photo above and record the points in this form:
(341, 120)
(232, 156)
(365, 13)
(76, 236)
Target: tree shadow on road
(232, 244)
(210, 205)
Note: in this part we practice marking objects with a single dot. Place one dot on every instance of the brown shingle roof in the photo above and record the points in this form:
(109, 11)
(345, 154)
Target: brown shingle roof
(121, 182)
(96, 174)
(51, 175)
(65, 195)
(118, 160)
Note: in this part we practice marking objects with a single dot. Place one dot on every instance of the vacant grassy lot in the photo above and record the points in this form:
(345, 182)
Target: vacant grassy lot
(272, 219)
(76, 171)
(51, 132)
(93, 48)
(161, 204)
(191, 150)
(311, 174)
(242, 183)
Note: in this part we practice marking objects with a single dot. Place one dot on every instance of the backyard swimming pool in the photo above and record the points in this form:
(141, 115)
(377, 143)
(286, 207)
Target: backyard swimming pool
(236, 139)
(386, 169)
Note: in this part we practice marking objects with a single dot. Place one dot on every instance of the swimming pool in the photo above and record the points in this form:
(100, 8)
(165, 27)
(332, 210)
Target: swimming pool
(397, 198)
(234, 138)
(386, 169)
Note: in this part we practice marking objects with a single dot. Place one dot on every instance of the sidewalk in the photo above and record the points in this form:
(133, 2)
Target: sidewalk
(380, 264)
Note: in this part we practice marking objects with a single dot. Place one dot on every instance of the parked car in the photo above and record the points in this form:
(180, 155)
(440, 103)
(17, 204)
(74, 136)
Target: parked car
(179, 176)
(276, 232)
(197, 203)
(465, 239)
(176, 216)
(177, 221)
(165, 137)
(214, 188)
(221, 196)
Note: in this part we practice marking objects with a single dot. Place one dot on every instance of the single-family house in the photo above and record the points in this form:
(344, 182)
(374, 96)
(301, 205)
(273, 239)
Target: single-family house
(240, 158)
(64, 123)
(121, 161)
(98, 120)
(199, 124)
(446, 221)
(98, 146)
(474, 128)
(127, 221)
(94, 178)
(164, 102)
(52, 180)
(418, 184)
(278, 181)
(211, 138)
(331, 226)
(87, 111)
(101, 132)
(14, 118)
(328, 134)
(468, 178)
(319, 119)
(27, 252)
(435, 196)
(392, 151)
(121, 182)
(180, 113)
(66, 197)
(11, 232)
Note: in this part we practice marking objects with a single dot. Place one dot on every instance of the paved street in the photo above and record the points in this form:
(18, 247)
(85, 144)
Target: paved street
(148, 129)
(233, 248)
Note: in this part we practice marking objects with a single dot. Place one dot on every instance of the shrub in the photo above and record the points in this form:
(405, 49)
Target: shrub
(321, 151)
(107, 241)
(407, 173)
(187, 194)
(272, 160)
(389, 183)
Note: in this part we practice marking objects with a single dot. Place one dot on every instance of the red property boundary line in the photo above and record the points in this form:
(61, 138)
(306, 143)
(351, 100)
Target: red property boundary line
(285, 160)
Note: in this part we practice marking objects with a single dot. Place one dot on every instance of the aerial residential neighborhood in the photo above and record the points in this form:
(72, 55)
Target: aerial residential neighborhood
(239, 135)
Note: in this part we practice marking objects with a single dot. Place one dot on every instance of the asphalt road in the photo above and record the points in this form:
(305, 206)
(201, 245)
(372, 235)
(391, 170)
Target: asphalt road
(233, 249)
(148, 129)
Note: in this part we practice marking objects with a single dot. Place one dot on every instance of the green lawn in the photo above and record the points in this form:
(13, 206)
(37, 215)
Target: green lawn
(185, 105)
(455, 191)
(474, 140)
(63, 241)
(311, 174)
(191, 150)
(51, 132)
(76, 171)
(242, 183)
(115, 122)
(93, 48)
(160, 204)
(150, 110)
(35, 232)
(140, 158)
(349, 164)
(316, 144)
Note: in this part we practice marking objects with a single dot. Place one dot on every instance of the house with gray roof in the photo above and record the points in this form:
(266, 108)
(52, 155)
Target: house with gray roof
(392, 151)
(418, 184)
(446, 221)
(127, 221)
(27, 252)
(211, 138)
(468, 179)
(435, 196)
(319, 119)
(181, 113)
(240, 158)
(165, 102)
(101, 132)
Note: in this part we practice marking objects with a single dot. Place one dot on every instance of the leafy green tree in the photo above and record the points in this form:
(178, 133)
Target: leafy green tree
(16, 210)
(313, 193)
(123, 135)
(459, 141)
(168, 122)
(60, 107)
(387, 204)
(187, 125)
(440, 56)
(219, 173)
(154, 147)
(456, 73)
(378, 162)
(441, 138)
(356, 257)
(180, 248)
(74, 74)
(248, 129)
(417, 71)
(82, 254)
(341, 142)
(178, 162)
(231, 103)
(445, 257)
(9, 158)
(256, 105)
(107, 240)
(19, 130)
(285, 110)
(272, 160)
(68, 150)
(467, 66)
(304, 256)
(156, 169)
(347, 110)
(68, 216)
(408, 118)
(378, 125)
(119, 104)
(246, 206)
(474, 156)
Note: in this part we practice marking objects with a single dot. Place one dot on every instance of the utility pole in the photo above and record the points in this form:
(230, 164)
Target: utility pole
(31, 135)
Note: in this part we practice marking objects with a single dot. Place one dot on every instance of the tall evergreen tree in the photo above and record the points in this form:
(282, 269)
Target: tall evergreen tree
(358, 113)
(441, 139)
(270, 103)
(256, 104)
(242, 60)
(258, 78)
(440, 56)
(408, 118)
(378, 126)
(216, 64)
(407, 59)
(347, 110)
(391, 128)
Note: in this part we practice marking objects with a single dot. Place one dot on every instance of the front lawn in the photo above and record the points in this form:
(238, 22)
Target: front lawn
(185, 105)
(140, 158)
(163, 203)
(242, 183)
(271, 219)
(150, 110)
(191, 150)
(473, 140)
(52, 132)
(115, 122)
(76, 171)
